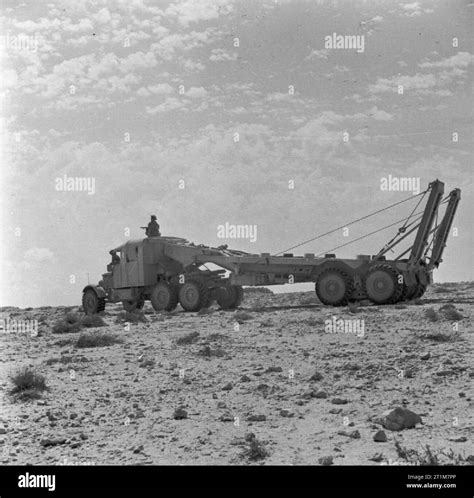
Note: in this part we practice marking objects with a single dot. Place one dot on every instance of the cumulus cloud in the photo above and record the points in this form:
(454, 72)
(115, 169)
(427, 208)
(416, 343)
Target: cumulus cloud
(220, 54)
(192, 11)
(461, 59)
(196, 92)
(170, 104)
(318, 54)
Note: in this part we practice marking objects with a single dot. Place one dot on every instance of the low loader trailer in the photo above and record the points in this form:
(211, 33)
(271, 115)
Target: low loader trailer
(171, 270)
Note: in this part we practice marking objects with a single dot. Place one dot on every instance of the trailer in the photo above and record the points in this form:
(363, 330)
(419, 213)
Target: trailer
(171, 270)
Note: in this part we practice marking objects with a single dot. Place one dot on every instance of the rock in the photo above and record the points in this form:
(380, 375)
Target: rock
(3, 430)
(321, 395)
(425, 356)
(245, 378)
(308, 394)
(256, 418)
(400, 418)
(228, 387)
(462, 395)
(52, 442)
(316, 376)
(180, 413)
(73, 416)
(378, 457)
(380, 437)
(326, 460)
(286, 413)
(226, 417)
(335, 411)
(460, 439)
(221, 404)
(354, 434)
(139, 449)
(249, 436)
(443, 373)
(339, 401)
(273, 369)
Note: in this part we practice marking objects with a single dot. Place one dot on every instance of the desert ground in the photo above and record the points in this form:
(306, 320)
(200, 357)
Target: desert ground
(278, 381)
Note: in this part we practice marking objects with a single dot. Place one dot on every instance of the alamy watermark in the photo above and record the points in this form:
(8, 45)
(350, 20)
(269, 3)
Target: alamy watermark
(75, 184)
(400, 184)
(336, 325)
(345, 42)
(20, 42)
(12, 326)
(229, 231)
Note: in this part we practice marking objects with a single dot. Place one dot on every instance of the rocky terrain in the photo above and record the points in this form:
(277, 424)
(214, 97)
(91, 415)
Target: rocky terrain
(282, 380)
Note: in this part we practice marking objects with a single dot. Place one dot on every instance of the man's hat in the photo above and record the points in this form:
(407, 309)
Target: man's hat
(153, 217)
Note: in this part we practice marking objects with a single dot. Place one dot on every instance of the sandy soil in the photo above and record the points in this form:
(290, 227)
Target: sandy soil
(312, 392)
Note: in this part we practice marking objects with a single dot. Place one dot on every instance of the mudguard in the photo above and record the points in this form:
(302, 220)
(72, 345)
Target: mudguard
(97, 289)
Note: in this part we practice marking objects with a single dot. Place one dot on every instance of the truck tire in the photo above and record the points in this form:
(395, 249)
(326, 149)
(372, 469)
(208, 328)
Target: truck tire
(382, 285)
(133, 304)
(193, 295)
(164, 297)
(92, 303)
(334, 287)
(230, 297)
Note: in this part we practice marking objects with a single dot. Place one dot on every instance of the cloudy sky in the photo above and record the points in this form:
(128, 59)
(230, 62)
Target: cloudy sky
(212, 111)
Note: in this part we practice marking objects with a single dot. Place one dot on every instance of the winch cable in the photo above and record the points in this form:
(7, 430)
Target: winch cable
(403, 228)
(389, 245)
(353, 222)
(420, 213)
(371, 233)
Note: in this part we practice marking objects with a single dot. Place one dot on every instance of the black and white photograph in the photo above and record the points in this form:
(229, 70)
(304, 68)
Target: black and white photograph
(236, 235)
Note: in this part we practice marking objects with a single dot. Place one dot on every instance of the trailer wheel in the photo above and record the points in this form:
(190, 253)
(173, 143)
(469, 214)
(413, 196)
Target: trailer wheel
(164, 297)
(420, 290)
(133, 304)
(334, 287)
(92, 303)
(382, 285)
(230, 297)
(408, 292)
(193, 295)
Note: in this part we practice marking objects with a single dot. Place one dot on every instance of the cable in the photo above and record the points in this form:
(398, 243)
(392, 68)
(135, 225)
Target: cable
(352, 222)
(369, 234)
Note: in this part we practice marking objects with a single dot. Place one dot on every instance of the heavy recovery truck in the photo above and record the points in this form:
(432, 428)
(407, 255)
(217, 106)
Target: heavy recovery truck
(169, 270)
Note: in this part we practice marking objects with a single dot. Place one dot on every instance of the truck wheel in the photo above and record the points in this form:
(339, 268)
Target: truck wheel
(92, 303)
(230, 297)
(334, 287)
(193, 295)
(164, 297)
(133, 304)
(382, 285)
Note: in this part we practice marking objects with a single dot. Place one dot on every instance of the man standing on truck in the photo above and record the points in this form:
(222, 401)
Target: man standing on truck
(153, 229)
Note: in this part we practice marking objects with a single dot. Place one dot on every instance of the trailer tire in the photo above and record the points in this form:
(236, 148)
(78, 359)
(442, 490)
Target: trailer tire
(92, 303)
(420, 290)
(230, 297)
(193, 295)
(408, 292)
(382, 285)
(334, 287)
(164, 297)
